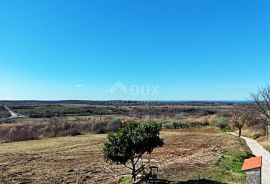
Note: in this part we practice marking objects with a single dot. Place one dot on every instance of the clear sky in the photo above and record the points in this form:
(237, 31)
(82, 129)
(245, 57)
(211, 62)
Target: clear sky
(133, 49)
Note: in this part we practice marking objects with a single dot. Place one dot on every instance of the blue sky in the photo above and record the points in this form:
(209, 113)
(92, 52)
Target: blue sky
(156, 49)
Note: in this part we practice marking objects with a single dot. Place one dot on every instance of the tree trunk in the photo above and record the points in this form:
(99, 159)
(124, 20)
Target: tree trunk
(240, 132)
(133, 170)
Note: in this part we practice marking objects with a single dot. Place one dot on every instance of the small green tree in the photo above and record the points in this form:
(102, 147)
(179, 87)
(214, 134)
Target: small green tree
(130, 142)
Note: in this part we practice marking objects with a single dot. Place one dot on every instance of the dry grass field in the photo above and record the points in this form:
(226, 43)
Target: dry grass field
(187, 154)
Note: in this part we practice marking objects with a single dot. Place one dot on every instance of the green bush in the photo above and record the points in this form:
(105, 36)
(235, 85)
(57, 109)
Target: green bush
(222, 123)
(130, 143)
(182, 124)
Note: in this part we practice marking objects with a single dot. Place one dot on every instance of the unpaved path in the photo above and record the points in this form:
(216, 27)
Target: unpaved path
(13, 114)
(258, 150)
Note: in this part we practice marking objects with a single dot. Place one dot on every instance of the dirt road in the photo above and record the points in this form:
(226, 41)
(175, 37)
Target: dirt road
(13, 114)
(258, 150)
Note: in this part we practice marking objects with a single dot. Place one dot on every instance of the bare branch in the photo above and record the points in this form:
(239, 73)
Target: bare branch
(128, 166)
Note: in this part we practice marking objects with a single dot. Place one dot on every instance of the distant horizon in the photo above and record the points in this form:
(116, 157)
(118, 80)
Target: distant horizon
(167, 101)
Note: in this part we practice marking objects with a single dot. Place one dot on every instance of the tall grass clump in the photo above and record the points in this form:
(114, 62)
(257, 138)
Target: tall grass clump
(222, 123)
(182, 124)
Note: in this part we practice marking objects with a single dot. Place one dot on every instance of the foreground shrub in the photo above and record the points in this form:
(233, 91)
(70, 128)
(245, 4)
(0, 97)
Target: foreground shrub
(129, 143)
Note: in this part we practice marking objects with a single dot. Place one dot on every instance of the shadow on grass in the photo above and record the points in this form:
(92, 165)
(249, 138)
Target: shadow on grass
(201, 181)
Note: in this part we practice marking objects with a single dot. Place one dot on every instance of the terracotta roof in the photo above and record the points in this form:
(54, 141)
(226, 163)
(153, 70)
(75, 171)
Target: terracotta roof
(252, 163)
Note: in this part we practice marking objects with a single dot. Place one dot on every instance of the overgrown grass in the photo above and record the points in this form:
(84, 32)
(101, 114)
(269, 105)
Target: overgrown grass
(228, 167)
(267, 148)
(126, 180)
(56, 127)
(265, 143)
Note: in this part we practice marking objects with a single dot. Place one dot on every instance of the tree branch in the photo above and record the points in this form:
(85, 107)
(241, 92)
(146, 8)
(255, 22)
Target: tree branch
(128, 166)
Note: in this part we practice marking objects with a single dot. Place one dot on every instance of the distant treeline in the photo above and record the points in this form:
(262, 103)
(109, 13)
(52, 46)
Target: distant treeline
(49, 111)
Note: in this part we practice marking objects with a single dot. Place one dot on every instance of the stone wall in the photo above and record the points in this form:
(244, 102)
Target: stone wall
(253, 176)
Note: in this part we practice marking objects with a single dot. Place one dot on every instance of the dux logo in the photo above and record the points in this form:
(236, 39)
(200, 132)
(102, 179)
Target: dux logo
(118, 86)
(146, 90)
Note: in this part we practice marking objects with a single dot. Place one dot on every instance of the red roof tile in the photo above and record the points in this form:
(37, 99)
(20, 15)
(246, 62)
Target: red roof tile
(252, 163)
